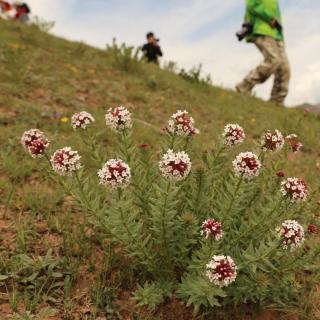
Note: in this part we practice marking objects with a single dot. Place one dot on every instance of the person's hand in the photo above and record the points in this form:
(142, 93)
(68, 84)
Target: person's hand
(275, 24)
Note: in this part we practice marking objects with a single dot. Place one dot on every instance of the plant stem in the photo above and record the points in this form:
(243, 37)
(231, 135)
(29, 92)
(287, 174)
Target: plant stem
(216, 156)
(163, 227)
(264, 218)
(92, 144)
(126, 146)
(125, 225)
(234, 196)
(82, 193)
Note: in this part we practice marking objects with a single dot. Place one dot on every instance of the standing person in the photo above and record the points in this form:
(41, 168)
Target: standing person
(263, 27)
(152, 49)
(22, 12)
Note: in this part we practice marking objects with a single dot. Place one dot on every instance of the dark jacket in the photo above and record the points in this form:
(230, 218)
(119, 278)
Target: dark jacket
(152, 52)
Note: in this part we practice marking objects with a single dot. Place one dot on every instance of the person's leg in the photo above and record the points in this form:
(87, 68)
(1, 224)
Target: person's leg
(281, 77)
(270, 51)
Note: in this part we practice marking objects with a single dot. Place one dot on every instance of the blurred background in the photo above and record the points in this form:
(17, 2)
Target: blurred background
(193, 32)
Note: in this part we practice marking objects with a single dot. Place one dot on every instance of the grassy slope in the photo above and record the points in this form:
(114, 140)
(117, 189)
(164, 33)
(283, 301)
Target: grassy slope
(41, 74)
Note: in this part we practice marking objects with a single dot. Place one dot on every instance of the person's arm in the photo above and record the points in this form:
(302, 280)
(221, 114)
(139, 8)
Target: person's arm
(256, 8)
(159, 51)
(144, 48)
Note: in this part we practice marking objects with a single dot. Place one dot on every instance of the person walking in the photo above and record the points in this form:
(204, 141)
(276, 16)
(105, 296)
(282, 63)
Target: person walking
(263, 27)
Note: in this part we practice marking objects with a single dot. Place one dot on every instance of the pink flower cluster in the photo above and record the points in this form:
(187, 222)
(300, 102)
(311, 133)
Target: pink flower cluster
(272, 141)
(212, 229)
(247, 165)
(233, 135)
(175, 166)
(119, 119)
(65, 161)
(35, 142)
(291, 234)
(115, 173)
(221, 271)
(81, 120)
(181, 124)
(295, 189)
(295, 144)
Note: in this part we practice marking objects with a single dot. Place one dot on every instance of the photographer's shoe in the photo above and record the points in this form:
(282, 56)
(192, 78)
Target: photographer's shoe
(240, 88)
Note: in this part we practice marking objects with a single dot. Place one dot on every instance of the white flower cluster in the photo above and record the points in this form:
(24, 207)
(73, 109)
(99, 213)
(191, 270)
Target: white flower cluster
(115, 173)
(81, 120)
(221, 271)
(181, 124)
(175, 166)
(233, 135)
(35, 142)
(212, 229)
(65, 161)
(246, 164)
(291, 234)
(295, 189)
(119, 119)
(272, 141)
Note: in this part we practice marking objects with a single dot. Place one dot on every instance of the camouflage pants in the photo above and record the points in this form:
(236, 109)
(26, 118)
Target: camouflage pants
(275, 63)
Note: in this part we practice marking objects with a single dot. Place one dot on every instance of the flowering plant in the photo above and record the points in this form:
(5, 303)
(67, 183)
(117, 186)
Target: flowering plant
(222, 271)
(118, 119)
(175, 166)
(35, 142)
(81, 120)
(65, 161)
(272, 141)
(246, 165)
(181, 124)
(294, 143)
(291, 234)
(294, 189)
(158, 214)
(115, 173)
(212, 229)
(233, 135)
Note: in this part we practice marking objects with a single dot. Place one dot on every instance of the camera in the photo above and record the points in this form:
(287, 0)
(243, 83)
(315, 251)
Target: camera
(246, 29)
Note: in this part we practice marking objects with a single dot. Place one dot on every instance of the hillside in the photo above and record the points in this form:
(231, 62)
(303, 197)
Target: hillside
(43, 81)
(315, 108)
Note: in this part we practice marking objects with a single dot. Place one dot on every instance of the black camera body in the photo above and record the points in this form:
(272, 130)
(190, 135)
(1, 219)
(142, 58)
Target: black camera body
(247, 28)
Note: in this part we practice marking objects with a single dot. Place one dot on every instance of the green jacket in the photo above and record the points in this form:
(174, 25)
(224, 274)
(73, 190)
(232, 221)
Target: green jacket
(260, 14)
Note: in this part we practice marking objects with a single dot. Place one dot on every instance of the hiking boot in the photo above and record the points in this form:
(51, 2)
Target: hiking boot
(241, 88)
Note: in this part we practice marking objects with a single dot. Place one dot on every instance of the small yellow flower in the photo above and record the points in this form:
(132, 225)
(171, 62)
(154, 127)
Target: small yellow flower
(71, 67)
(253, 120)
(14, 46)
(64, 119)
